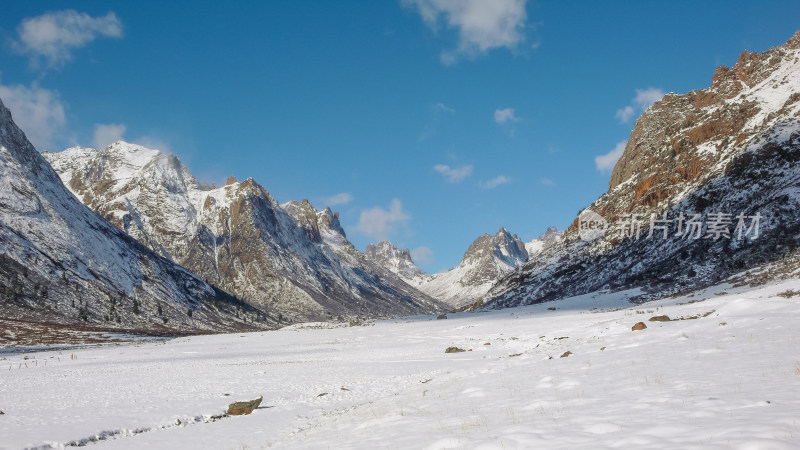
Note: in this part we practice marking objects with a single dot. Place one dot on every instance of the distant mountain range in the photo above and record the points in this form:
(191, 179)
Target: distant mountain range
(706, 191)
(487, 260)
(289, 259)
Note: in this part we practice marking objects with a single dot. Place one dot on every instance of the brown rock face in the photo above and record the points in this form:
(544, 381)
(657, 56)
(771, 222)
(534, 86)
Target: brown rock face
(638, 326)
(677, 140)
(730, 149)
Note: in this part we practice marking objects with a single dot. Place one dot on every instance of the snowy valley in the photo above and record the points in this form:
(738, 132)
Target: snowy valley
(719, 371)
(138, 303)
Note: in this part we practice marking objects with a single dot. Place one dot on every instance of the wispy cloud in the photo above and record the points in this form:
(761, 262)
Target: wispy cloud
(444, 108)
(154, 143)
(106, 134)
(453, 174)
(481, 25)
(341, 198)
(624, 114)
(437, 111)
(547, 182)
(37, 111)
(643, 99)
(380, 223)
(505, 115)
(606, 162)
(422, 256)
(49, 39)
(494, 182)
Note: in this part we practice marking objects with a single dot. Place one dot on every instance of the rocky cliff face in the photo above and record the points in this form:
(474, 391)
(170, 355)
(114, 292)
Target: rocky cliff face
(717, 157)
(290, 259)
(61, 262)
(394, 259)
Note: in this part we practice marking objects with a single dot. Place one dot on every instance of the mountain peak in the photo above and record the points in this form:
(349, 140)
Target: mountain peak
(544, 241)
(329, 220)
(398, 261)
(503, 246)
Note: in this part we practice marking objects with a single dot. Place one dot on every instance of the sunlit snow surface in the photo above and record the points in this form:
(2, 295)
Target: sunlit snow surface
(692, 383)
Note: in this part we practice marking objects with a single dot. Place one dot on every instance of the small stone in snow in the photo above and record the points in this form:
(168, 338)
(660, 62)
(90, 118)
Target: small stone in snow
(660, 319)
(638, 326)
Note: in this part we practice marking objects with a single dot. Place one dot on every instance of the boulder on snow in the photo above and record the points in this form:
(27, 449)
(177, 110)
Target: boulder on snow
(566, 353)
(638, 326)
(454, 350)
(243, 408)
(441, 317)
(660, 319)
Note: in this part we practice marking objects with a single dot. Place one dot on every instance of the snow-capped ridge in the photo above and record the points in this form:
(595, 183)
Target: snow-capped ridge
(66, 264)
(289, 258)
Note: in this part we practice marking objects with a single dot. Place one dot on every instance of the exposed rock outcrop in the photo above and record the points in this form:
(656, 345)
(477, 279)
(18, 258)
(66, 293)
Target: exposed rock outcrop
(726, 155)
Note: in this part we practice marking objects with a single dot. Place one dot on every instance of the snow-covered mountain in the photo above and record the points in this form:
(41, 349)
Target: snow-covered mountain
(287, 258)
(396, 260)
(546, 240)
(63, 263)
(487, 260)
(714, 173)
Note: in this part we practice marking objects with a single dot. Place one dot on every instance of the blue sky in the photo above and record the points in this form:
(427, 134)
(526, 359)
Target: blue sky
(425, 122)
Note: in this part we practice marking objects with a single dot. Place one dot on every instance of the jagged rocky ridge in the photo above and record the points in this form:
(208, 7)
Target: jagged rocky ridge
(289, 259)
(732, 148)
(488, 259)
(62, 263)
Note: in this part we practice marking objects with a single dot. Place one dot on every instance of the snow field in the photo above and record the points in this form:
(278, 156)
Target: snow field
(693, 383)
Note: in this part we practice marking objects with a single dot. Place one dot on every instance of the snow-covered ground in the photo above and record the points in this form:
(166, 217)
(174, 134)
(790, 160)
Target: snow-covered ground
(728, 379)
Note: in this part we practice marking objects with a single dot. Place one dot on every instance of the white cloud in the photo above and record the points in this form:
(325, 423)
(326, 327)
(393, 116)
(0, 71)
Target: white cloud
(153, 143)
(422, 256)
(453, 174)
(624, 114)
(547, 181)
(380, 223)
(341, 198)
(646, 97)
(505, 115)
(606, 162)
(37, 111)
(482, 25)
(106, 134)
(49, 39)
(494, 182)
(643, 99)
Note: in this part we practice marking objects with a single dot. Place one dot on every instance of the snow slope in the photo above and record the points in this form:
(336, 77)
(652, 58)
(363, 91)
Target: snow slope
(727, 376)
